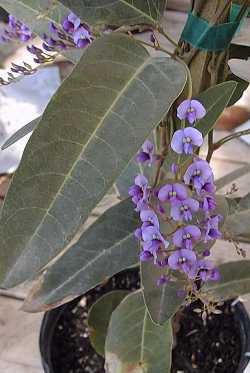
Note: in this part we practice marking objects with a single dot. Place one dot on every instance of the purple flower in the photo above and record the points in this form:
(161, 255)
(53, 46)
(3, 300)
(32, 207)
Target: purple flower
(182, 210)
(191, 110)
(82, 37)
(207, 271)
(52, 27)
(183, 260)
(140, 192)
(208, 203)
(183, 140)
(138, 234)
(147, 153)
(174, 168)
(172, 192)
(153, 239)
(71, 23)
(209, 186)
(212, 231)
(146, 256)
(198, 173)
(206, 252)
(187, 236)
(162, 280)
(20, 30)
(149, 218)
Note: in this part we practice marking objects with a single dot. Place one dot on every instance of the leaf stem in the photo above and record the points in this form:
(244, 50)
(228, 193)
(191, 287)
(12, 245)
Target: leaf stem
(210, 145)
(235, 135)
(156, 47)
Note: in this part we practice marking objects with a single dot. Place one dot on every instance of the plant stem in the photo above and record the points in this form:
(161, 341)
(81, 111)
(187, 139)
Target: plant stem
(210, 146)
(221, 142)
(156, 47)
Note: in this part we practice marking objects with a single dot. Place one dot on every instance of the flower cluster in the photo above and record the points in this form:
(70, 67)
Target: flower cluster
(16, 30)
(178, 217)
(72, 33)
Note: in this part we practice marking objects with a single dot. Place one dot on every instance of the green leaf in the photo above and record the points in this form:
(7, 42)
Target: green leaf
(134, 343)
(117, 12)
(99, 316)
(107, 247)
(162, 301)
(237, 223)
(18, 135)
(37, 14)
(89, 132)
(215, 99)
(235, 280)
(240, 89)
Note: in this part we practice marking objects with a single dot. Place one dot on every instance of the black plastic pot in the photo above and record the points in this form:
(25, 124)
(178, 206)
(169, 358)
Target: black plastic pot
(51, 319)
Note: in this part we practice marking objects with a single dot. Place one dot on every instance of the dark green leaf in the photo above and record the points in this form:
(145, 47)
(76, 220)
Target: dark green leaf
(134, 343)
(25, 130)
(117, 12)
(240, 89)
(215, 99)
(235, 280)
(89, 132)
(99, 317)
(107, 247)
(162, 301)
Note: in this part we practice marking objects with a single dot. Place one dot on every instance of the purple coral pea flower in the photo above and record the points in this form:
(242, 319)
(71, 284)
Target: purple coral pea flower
(172, 193)
(140, 192)
(147, 153)
(149, 218)
(82, 37)
(198, 173)
(153, 239)
(207, 271)
(191, 110)
(138, 234)
(71, 23)
(182, 210)
(174, 168)
(146, 256)
(184, 139)
(162, 280)
(183, 260)
(12, 21)
(212, 231)
(52, 27)
(208, 203)
(186, 237)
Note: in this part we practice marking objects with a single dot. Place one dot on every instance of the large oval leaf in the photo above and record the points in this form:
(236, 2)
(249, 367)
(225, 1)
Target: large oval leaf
(37, 14)
(117, 12)
(89, 132)
(235, 280)
(107, 247)
(99, 317)
(162, 301)
(134, 344)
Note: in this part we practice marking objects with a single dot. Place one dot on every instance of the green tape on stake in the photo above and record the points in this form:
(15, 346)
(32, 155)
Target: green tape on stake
(202, 35)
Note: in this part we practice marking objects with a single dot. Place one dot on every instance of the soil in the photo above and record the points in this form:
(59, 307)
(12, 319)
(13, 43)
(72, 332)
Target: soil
(71, 348)
(211, 348)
